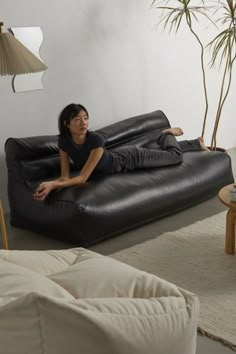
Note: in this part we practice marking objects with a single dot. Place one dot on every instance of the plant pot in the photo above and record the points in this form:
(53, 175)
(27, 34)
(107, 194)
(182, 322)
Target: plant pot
(220, 149)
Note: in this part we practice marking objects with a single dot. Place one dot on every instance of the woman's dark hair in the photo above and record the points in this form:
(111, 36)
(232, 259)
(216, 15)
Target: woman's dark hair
(67, 114)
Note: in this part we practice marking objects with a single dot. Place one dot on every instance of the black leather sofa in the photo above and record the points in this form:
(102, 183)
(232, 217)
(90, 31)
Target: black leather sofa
(107, 206)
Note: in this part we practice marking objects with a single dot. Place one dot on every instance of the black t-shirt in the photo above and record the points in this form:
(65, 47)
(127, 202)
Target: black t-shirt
(79, 153)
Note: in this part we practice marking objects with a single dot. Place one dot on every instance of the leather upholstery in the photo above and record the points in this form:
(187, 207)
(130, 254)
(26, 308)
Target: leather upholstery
(108, 205)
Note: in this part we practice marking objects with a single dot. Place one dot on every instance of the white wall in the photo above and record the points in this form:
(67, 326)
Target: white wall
(106, 55)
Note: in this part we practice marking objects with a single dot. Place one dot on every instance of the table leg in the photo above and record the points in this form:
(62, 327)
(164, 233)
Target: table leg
(230, 232)
(3, 228)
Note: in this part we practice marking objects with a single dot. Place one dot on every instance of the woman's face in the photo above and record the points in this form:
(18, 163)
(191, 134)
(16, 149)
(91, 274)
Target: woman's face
(79, 124)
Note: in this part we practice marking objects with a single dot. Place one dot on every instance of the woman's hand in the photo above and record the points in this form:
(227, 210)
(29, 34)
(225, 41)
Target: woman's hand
(44, 189)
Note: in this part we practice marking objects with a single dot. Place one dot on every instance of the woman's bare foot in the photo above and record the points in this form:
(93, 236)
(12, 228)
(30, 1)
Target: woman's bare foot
(202, 144)
(175, 131)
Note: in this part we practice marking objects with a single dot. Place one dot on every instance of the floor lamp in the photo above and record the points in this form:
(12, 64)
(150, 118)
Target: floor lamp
(15, 59)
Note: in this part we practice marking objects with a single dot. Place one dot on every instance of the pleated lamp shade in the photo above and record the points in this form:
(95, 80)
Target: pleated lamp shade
(15, 58)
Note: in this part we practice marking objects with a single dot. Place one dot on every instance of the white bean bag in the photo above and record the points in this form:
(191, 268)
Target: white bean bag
(77, 301)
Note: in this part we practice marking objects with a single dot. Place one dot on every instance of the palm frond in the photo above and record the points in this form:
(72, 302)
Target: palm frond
(183, 8)
(202, 11)
(176, 21)
(222, 45)
(173, 17)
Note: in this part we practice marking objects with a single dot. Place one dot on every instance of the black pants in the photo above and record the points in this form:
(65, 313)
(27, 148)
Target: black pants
(166, 151)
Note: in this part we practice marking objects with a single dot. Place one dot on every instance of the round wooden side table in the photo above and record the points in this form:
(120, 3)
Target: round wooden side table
(224, 196)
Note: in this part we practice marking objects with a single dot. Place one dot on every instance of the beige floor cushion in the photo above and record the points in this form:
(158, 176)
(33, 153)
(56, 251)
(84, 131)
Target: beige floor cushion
(77, 301)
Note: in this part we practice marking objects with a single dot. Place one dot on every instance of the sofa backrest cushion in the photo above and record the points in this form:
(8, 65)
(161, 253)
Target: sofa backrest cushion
(131, 128)
(31, 148)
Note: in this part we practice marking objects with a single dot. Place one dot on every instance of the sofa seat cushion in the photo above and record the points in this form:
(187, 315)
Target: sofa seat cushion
(79, 301)
(42, 262)
(98, 276)
(118, 202)
(101, 326)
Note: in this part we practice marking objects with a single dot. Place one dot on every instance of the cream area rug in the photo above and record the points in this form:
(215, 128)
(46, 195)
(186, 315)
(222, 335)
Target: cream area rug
(193, 258)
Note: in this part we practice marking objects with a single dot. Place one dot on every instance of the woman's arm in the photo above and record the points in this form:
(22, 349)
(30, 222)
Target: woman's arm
(65, 165)
(89, 166)
(46, 187)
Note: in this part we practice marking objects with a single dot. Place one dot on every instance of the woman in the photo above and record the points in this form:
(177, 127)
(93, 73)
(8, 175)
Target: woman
(86, 149)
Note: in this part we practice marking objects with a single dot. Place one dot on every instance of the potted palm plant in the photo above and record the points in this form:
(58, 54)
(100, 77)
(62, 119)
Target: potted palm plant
(223, 46)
